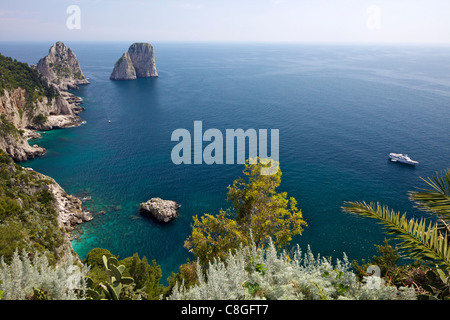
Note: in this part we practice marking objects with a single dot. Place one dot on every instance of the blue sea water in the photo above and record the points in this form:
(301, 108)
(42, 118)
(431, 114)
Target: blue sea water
(340, 110)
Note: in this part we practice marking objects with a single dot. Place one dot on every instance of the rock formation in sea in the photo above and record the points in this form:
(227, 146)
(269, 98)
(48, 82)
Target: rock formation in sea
(123, 69)
(162, 210)
(39, 100)
(137, 62)
(61, 68)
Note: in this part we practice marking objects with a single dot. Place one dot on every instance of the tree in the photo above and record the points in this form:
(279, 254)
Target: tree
(258, 213)
(139, 271)
(39, 120)
(263, 210)
(421, 240)
(437, 199)
(214, 236)
(146, 276)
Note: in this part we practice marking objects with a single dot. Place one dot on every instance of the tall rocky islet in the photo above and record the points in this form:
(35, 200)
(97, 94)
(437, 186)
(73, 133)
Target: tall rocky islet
(61, 68)
(137, 62)
(24, 113)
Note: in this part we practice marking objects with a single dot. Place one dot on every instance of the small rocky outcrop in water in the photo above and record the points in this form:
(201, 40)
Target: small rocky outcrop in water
(137, 62)
(162, 210)
(61, 68)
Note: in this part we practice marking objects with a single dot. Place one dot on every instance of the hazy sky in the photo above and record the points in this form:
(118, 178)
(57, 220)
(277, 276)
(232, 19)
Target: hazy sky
(420, 21)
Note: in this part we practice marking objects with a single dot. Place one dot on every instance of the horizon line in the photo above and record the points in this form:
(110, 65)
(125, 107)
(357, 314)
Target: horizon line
(319, 42)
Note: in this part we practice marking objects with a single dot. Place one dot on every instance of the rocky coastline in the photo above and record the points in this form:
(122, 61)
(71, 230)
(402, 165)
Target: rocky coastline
(21, 119)
(70, 208)
(59, 70)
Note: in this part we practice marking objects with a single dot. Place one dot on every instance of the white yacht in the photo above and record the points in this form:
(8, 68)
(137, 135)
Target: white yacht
(403, 158)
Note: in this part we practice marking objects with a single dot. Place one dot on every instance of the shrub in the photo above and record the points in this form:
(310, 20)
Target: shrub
(26, 278)
(39, 120)
(252, 273)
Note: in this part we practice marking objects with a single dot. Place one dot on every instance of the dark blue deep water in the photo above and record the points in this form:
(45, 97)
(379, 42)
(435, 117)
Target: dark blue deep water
(340, 111)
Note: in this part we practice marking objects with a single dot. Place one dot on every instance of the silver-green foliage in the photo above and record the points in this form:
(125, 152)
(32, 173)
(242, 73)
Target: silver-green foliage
(19, 279)
(250, 273)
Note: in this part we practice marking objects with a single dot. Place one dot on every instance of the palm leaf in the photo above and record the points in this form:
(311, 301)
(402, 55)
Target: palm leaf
(437, 199)
(418, 240)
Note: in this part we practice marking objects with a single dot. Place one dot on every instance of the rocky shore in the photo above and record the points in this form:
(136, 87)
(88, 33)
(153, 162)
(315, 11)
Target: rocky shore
(23, 115)
(69, 208)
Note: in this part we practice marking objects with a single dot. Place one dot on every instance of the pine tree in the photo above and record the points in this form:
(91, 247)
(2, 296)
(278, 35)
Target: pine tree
(259, 213)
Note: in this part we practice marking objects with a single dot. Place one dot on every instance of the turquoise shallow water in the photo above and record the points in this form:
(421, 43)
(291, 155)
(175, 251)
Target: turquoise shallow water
(340, 110)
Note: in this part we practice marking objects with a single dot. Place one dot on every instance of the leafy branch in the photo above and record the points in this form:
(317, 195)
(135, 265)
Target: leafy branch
(420, 241)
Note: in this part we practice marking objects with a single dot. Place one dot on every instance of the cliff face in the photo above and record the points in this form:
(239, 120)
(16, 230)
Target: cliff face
(39, 213)
(19, 120)
(61, 68)
(33, 100)
(14, 143)
(143, 58)
(23, 110)
(137, 62)
(15, 106)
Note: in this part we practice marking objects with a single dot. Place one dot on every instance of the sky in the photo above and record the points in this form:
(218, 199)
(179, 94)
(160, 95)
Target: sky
(329, 21)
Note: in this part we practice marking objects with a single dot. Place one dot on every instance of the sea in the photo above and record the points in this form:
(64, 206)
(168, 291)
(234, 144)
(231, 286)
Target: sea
(340, 109)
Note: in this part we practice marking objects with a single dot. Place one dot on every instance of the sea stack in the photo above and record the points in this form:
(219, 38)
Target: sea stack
(137, 62)
(61, 68)
(162, 210)
(123, 69)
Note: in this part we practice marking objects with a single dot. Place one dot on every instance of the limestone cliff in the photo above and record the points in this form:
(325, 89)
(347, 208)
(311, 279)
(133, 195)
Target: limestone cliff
(69, 208)
(43, 114)
(137, 62)
(31, 100)
(36, 212)
(61, 68)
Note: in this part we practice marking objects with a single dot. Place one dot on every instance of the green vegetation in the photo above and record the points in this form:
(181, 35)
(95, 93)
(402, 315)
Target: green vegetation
(7, 128)
(428, 243)
(112, 289)
(15, 74)
(39, 120)
(28, 219)
(239, 253)
(103, 265)
(264, 273)
(31, 276)
(259, 213)
(421, 240)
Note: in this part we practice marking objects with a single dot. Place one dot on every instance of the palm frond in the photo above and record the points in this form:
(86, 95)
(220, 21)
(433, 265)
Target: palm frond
(418, 240)
(437, 199)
